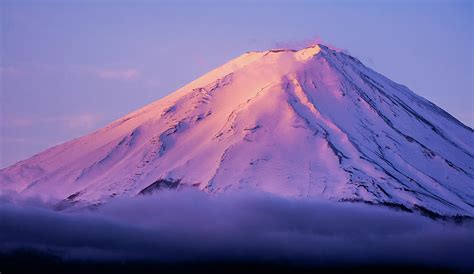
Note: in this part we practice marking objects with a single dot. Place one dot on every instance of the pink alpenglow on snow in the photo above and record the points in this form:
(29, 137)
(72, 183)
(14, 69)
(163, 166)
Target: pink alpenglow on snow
(309, 123)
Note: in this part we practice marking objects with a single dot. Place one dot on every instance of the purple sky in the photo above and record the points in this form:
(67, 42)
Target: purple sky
(68, 68)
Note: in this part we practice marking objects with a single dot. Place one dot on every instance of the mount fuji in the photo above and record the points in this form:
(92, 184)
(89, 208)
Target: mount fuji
(309, 123)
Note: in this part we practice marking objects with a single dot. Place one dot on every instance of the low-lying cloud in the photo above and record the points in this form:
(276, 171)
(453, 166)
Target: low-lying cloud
(193, 226)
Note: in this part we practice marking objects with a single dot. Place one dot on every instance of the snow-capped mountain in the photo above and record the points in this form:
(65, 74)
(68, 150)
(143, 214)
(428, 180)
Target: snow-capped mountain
(309, 123)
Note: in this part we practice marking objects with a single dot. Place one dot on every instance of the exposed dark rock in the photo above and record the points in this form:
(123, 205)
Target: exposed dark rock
(160, 184)
(416, 208)
(68, 202)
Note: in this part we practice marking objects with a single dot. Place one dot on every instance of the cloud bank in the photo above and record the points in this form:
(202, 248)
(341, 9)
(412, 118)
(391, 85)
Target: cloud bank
(191, 226)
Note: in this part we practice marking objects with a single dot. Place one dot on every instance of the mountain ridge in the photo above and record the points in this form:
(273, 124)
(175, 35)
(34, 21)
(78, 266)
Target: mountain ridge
(314, 122)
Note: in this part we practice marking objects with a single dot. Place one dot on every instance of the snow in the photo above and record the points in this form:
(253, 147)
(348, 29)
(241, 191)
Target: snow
(309, 123)
(307, 53)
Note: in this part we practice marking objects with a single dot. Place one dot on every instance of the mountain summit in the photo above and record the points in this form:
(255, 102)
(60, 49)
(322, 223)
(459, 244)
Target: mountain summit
(303, 123)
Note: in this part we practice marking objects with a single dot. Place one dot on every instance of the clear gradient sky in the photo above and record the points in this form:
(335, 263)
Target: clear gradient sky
(68, 68)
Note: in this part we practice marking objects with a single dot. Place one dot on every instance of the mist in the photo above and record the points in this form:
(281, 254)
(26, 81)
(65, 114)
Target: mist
(191, 226)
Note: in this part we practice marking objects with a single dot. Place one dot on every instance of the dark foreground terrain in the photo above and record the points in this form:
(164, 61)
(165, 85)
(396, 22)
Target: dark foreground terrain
(28, 261)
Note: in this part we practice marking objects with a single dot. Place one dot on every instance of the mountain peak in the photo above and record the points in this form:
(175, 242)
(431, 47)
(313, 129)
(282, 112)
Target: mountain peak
(308, 52)
(282, 121)
(315, 48)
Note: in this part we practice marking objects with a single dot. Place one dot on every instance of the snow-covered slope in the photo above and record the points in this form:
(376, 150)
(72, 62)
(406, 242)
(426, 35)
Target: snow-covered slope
(309, 123)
